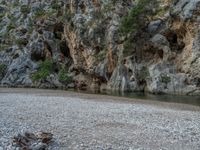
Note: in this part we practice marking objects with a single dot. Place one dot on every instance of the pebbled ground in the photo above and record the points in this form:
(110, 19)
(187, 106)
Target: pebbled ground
(96, 122)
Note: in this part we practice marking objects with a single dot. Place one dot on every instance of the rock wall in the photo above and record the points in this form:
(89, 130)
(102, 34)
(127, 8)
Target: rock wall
(83, 38)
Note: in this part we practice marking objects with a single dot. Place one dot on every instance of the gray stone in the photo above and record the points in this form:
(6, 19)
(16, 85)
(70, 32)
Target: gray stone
(184, 8)
(165, 79)
(18, 72)
(154, 25)
(119, 80)
(160, 40)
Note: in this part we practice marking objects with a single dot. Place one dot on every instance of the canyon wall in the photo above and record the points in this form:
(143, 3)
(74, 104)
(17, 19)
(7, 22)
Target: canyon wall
(114, 45)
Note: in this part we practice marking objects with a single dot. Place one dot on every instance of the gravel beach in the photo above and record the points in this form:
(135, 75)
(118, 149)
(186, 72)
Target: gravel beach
(96, 122)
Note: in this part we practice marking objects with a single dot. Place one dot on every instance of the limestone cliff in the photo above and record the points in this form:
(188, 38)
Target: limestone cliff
(83, 44)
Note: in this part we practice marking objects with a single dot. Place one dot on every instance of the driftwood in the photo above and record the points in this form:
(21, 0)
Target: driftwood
(31, 141)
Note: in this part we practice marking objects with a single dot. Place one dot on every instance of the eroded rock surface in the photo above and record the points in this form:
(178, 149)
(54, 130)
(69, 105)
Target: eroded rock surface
(83, 40)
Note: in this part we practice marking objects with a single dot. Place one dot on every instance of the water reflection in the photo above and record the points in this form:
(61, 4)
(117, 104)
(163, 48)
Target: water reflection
(193, 100)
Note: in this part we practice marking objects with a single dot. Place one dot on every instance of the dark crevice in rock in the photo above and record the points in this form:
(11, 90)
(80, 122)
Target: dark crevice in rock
(83, 7)
(176, 40)
(197, 82)
(65, 49)
(58, 30)
(48, 49)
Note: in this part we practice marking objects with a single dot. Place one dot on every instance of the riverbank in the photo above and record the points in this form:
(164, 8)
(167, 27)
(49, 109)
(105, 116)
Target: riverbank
(85, 121)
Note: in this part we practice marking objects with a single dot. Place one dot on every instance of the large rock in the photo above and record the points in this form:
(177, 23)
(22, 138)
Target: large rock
(185, 8)
(119, 80)
(165, 79)
(18, 72)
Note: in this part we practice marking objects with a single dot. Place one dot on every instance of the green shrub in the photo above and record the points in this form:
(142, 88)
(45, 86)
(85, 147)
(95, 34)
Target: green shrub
(40, 13)
(4, 46)
(55, 6)
(44, 70)
(109, 7)
(130, 23)
(61, 19)
(16, 3)
(128, 45)
(51, 12)
(30, 26)
(12, 18)
(165, 78)
(63, 76)
(10, 26)
(25, 9)
(21, 41)
(101, 55)
(2, 68)
(2, 15)
(136, 20)
(143, 74)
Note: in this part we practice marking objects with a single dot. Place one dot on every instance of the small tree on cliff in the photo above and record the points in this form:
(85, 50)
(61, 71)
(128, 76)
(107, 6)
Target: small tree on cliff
(136, 20)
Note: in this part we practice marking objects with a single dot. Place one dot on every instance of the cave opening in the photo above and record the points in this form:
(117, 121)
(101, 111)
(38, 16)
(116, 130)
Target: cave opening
(176, 41)
(58, 30)
(65, 49)
(83, 7)
(197, 82)
(58, 33)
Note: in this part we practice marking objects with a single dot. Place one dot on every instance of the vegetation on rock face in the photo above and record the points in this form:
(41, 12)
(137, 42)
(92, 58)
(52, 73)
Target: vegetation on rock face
(40, 13)
(21, 41)
(63, 76)
(165, 79)
(143, 74)
(10, 26)
(55, 5)
(95, 38)
(138, 17)
(131, 22)
(1, 16)
(2, 68)
(25, 9)
(101, 55)
(44, 70)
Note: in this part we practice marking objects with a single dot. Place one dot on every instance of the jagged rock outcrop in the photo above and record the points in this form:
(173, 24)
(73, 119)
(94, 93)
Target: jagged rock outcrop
(30, 34)
(83, 40)
(179, 43)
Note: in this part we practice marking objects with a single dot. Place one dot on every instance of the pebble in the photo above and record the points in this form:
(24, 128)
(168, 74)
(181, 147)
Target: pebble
(118, 125)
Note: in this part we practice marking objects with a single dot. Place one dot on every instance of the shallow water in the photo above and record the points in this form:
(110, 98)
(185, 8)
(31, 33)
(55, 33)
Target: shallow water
(192, 100)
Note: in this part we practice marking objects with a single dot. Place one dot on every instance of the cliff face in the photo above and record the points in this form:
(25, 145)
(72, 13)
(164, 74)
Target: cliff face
(80, 43)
